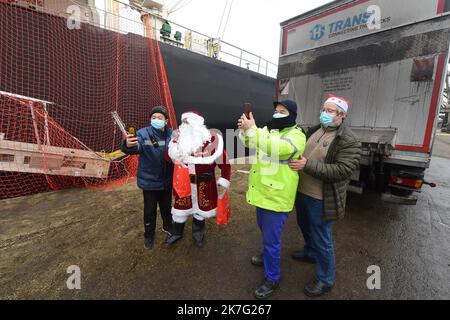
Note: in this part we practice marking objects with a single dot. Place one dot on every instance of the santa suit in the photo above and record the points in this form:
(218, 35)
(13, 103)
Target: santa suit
(202, 203)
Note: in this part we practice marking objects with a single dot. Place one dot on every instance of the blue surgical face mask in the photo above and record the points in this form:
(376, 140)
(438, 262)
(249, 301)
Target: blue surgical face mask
(279, 115)
(158, 124)
(326, 119)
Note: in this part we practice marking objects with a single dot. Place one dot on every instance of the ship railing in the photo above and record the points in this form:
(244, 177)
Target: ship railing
(128, 19)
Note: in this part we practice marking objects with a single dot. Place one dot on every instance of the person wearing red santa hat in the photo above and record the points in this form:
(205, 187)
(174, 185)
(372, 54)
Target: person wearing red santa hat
(201, 150)
(332, 154)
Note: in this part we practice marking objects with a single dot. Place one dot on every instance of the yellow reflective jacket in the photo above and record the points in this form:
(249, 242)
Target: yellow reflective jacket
(272, 184)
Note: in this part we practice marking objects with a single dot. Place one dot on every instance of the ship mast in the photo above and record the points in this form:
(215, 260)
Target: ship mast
(153, 16)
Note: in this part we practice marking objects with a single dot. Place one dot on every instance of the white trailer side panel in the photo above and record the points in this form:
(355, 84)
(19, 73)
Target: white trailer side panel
(393, 80)
(349, 19)
(381, 96)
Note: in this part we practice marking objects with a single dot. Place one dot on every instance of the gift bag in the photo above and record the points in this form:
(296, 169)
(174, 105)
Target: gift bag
(223, 209)
(181, 181)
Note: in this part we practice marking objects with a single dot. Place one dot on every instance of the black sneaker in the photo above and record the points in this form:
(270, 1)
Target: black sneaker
(172, 240)
(148, 243)
(257, 260)
(199, 240)
(316, 288)
(266, 289)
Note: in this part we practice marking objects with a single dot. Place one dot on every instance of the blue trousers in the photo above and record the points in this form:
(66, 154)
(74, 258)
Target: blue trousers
(271, 225)
(318, 236)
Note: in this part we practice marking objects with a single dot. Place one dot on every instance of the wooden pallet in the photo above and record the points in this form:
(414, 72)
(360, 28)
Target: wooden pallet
(44, 159)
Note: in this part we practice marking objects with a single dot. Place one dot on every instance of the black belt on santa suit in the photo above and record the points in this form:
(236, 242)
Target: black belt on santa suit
(202, 177)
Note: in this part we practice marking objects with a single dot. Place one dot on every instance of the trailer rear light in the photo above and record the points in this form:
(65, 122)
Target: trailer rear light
(407, 182)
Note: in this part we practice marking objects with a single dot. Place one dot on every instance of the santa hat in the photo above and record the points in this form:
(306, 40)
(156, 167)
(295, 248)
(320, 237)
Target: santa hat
(193, 115)
(339, 101)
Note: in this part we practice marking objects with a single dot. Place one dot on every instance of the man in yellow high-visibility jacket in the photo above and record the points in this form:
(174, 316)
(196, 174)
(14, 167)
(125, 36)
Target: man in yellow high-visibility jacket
(272, 184)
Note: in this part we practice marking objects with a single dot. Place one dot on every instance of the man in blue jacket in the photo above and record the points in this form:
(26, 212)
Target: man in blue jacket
(154, 174)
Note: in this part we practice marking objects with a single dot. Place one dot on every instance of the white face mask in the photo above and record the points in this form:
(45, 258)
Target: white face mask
(279, 116)
(158, 124)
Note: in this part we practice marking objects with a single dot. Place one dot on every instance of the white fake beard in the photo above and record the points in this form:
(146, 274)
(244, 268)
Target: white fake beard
(191, 139)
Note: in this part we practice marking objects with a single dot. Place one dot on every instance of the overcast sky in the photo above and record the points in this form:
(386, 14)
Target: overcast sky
(253, 25)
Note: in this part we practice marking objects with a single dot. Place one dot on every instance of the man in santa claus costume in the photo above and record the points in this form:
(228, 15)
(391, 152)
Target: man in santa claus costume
(196, 147)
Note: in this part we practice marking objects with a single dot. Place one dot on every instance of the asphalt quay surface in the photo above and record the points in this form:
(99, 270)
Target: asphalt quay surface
(102, 233)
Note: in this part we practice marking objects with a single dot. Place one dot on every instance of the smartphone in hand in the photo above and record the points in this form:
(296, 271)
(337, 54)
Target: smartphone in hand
(132, 131)
(247, 109)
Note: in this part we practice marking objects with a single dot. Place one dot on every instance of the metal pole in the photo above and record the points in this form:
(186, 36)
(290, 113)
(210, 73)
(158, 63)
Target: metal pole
(259, 63)
(219, 48)
(105, 14)
(47, 135)
(36, 131)
(155, 34)
(240, 60)
(211, 48)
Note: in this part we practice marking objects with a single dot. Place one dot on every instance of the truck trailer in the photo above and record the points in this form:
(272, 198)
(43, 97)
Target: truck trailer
(389, 59)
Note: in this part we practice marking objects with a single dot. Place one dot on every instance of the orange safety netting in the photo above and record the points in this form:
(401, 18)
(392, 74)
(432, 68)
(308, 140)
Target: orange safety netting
(59, 87)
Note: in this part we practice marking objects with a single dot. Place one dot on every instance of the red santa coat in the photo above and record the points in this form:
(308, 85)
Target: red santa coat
(203, 200)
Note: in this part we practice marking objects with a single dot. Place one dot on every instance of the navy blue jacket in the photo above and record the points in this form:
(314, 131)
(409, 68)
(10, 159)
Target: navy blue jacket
(154, 172)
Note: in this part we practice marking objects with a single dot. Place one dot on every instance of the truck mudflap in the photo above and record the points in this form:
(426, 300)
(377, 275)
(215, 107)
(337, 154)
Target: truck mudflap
(407, 200)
